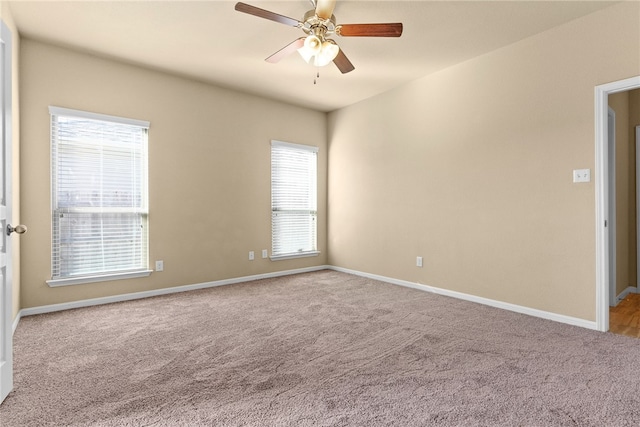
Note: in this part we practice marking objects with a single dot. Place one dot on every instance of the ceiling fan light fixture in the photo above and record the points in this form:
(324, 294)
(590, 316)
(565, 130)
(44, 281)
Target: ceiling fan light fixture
(319, 54)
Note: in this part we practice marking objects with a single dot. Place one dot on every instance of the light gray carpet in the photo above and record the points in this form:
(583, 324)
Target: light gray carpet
(318, 349)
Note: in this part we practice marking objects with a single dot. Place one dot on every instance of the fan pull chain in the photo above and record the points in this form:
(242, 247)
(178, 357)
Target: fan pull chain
(317, 77)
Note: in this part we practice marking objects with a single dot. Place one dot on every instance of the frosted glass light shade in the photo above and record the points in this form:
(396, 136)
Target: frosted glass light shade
(327, 54)
(313, 44)
(306, 55)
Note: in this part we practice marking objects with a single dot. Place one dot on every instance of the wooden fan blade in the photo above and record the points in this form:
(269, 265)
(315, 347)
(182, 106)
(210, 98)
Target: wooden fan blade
(324, 8)
(285, 51)
(261, 13)
(370, 30)
(343, 63)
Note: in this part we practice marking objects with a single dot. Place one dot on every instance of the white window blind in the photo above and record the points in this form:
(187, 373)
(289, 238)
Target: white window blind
(99, 194)
(294, 214)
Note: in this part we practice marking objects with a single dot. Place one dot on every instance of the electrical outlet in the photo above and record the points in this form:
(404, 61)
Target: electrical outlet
(251, 255)
(419, 261)
(160, 265)
(581, 175)
(265, 254)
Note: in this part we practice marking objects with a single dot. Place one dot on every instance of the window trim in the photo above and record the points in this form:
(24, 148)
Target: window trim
(118, 275)
(60, 111)
(294, 256)
(81, 280)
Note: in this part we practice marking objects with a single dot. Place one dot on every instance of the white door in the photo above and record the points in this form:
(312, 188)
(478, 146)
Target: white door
(6, 304)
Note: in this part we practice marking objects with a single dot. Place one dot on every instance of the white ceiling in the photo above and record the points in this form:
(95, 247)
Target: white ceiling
(210, 41)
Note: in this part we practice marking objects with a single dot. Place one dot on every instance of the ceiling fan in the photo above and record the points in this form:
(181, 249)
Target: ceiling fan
(318, 24)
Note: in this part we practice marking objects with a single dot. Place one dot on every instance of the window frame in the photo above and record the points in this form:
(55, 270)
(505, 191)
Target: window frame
(110, 275)
(275, 256)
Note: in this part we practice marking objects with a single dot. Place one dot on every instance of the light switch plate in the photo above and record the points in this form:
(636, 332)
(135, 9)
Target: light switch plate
(581, 175)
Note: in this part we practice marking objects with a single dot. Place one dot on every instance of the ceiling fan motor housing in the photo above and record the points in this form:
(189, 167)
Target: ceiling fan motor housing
(317, 26)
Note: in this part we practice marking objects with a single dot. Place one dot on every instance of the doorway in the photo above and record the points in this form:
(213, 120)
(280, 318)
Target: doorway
(602, 182)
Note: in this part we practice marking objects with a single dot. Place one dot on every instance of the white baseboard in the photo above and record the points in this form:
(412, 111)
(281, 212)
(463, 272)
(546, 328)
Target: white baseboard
(459, 295)
(156, 292)
(16, 321)
(480, 300)
(623, 294)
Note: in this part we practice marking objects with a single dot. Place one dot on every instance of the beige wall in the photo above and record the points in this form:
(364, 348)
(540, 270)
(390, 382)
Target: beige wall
(625, 194)
(471, 168)
(5, 14)
(209, 169)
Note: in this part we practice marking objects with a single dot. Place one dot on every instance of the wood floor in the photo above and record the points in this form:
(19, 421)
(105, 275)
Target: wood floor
(624, 319)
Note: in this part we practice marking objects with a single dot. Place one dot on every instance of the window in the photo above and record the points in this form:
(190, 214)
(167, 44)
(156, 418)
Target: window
(99, 197)
(294, 215)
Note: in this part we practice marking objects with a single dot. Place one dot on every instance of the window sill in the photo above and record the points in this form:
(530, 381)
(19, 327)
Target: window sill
(101, 278)
(294, 255)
